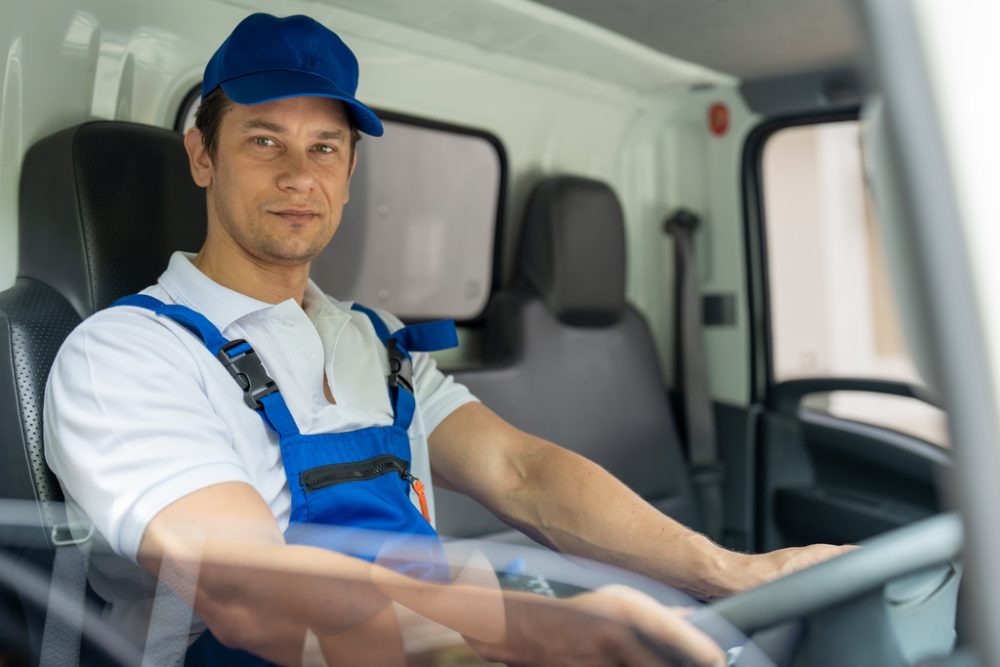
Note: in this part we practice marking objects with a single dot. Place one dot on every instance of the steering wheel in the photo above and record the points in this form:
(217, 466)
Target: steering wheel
(925, 550)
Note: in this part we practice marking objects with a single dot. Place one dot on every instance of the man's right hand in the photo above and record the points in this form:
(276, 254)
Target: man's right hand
(613, 625)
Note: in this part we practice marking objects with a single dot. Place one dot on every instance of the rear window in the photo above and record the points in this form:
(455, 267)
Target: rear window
(417, 237)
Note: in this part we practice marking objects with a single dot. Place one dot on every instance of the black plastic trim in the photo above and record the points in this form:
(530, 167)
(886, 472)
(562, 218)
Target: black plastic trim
(786, 396)
(810, 514)
(862, 436)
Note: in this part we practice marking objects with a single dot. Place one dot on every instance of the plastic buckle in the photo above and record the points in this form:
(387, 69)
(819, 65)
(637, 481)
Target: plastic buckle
(62, 534)
(400, 366)
(248, 371)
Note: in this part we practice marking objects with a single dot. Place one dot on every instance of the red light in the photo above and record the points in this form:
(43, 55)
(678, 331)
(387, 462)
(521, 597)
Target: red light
(718, 119)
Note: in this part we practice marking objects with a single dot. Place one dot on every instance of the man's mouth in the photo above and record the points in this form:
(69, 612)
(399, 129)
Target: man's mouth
(295, 215)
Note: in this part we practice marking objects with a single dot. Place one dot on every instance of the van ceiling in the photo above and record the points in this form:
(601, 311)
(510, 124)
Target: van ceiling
(750, 39)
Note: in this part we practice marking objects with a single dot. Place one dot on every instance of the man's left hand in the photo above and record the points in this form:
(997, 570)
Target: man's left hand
(761, 568)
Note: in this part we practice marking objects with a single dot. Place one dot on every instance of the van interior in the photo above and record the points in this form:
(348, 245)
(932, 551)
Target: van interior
(661, 227)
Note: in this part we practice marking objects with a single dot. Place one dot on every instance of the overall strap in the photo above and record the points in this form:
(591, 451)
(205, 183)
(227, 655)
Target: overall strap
(424, 337)
(260, 393)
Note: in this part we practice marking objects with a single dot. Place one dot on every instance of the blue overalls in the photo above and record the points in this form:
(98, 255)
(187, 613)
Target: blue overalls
(352, 482)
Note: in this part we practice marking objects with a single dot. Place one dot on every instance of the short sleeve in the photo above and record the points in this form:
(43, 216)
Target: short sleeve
(438, 395)
(128, 426)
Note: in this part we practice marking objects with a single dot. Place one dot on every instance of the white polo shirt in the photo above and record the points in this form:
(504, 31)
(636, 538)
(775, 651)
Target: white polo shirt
(139, 414)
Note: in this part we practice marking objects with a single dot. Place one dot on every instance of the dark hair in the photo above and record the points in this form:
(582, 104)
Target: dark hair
(208, 119)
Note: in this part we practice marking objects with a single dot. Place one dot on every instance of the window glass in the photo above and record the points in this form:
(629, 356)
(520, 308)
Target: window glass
(833, 311)
(899, 413)
(417, 236)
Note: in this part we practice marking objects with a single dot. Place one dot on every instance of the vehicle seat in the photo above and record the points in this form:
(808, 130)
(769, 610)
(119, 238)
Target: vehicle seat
(573, 361)
(102, 206)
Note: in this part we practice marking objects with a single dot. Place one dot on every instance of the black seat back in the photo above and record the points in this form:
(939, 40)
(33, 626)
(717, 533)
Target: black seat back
(102, 206)
(577, 363)
(99, 209)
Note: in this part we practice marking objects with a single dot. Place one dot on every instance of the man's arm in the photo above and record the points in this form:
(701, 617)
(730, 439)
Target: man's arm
(259, 594)
(575, 506)
(253, 590)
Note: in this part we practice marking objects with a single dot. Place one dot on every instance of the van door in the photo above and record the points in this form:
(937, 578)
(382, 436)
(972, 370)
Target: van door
(849, 443)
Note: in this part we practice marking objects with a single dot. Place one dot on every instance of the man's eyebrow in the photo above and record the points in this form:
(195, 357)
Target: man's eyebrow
(330, 135)
(261, 124)
(275, 128)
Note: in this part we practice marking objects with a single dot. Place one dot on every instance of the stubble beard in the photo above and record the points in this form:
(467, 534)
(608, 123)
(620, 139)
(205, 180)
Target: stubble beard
(268, 246)
(286, 251)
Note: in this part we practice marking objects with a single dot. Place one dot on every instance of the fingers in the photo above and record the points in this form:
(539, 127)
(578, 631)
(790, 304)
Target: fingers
(613, 626)
(665, 631)
(639, 651)
(804, 557)
(775, 564)
(572, 634)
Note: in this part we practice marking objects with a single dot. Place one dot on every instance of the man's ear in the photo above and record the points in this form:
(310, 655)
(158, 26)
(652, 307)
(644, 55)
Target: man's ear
(200, 161)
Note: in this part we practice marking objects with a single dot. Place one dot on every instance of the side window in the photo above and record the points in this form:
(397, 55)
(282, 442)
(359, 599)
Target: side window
(832, 308)
(417, 237)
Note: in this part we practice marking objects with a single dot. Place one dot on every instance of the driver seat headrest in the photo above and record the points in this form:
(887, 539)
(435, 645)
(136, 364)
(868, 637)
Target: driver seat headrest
(102, 207)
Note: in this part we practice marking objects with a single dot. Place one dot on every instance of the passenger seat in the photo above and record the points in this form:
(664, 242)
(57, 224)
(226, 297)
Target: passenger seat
(573, 361)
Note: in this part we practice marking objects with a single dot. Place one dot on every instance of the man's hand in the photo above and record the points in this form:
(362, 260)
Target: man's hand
(735, 572)
(614, 625)
(783, 562)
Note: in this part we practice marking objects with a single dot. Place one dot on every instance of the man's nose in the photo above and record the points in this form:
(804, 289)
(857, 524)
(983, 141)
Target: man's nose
(296, 173)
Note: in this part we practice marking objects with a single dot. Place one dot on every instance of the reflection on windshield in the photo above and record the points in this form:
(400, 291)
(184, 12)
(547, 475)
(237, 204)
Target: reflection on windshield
(495, 602)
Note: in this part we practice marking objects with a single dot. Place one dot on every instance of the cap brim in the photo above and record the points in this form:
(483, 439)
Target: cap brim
(279, 84)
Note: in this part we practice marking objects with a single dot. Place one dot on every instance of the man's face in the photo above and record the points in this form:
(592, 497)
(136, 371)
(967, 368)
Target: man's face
(279, 180)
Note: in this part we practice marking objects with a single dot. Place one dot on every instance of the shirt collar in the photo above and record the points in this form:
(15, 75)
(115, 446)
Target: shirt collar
(316, 302)
(189, 286)
(321, 307)
(223, 306)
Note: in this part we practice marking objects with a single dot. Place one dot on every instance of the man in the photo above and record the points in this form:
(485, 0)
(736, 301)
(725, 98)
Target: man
(152, 440)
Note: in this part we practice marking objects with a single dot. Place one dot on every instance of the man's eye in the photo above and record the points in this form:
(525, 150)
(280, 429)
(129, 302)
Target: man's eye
(324, 148)
(263, 141)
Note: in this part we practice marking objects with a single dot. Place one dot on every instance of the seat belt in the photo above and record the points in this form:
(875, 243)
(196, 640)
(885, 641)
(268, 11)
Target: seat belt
(173, 610)
(691, 370)
(67, 597)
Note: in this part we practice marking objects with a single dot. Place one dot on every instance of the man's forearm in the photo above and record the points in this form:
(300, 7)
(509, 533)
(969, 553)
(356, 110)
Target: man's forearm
(577, 507)
(266, 597)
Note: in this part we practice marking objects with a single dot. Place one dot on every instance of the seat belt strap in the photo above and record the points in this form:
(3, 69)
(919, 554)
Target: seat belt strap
(173, 610)
(67, 598)
(691, 369)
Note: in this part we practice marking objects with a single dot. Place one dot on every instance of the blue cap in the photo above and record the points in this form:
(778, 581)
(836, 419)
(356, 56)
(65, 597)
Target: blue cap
(269, 58)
